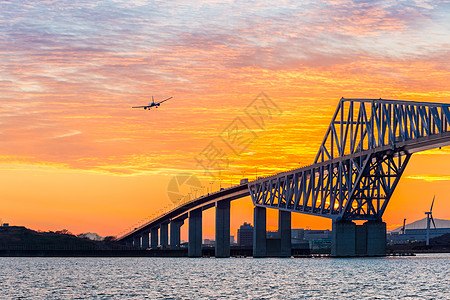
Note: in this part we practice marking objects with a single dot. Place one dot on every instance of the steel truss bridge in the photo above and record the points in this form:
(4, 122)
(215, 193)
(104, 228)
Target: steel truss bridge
(363, 155)
(361, 159)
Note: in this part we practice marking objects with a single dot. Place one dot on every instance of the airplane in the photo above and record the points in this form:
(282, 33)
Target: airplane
(152, 104)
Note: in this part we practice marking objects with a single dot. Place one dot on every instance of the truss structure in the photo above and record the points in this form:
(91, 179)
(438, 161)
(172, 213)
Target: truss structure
(362, 157)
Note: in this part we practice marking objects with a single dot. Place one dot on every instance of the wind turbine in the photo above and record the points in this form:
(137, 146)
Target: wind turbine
(430, 216)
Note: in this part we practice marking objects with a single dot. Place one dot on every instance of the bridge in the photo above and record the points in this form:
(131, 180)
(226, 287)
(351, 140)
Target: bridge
(363, 155)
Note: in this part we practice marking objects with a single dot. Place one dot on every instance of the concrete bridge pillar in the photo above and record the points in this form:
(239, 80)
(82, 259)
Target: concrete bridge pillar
(222, 247)
(175, 239)
(350, 239)
(137, 242)
(376, 238)
(343, 239)
(195, 233)
(164, 235)
(259, 232)
(284, 229)
(361, 240)
(154, 238)
(145, 240)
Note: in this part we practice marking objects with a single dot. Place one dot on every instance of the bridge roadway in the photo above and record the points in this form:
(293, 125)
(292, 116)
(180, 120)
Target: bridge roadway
(362, 157)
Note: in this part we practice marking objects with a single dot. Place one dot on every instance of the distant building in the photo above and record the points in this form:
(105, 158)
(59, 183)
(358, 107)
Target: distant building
(318, 240)
(208, 242)
(322, 244)
(415, 235)
(245, 235)
(232, 242)
(417, 231)
(314, 235)
(297, 236)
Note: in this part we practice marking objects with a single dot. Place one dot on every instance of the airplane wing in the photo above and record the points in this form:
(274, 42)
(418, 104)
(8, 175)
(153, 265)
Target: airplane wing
(164, 100)
(141, 106)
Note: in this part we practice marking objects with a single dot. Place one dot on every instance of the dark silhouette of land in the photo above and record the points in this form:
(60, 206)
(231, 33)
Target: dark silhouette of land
(21, 241)
(21, 238)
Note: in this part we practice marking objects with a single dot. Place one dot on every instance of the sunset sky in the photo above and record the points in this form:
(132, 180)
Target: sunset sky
(74, 155)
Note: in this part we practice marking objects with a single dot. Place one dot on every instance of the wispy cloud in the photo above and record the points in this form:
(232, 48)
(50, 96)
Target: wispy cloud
(429, 178)
(71, 133)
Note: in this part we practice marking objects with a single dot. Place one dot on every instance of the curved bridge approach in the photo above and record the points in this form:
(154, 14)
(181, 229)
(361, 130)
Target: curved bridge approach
(362, 157)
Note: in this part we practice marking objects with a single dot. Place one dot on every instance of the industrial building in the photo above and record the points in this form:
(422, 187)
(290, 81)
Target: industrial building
(417, 231)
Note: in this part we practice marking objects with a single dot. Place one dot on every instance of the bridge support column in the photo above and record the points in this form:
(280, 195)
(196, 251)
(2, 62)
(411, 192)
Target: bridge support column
(175, 240)
(164, 235)
(284, 229)
(376, 238)
(145, 240)
(195, 233)
(361, 240)
(222, 247)
(137, 242)
(259, 232)
(154, 238)
(344, 239)
(350, 239)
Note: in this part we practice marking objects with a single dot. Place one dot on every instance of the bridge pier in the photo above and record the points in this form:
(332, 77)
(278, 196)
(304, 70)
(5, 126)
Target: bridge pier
(350, 239)
(376, 238)
(259, 232)
(164, 235)
(222, 247)
(154, 238)
(361, 240)
(343, 239)
(284, 229)
(195, 233)
(275, 247)
(175, 239)
(145, 240)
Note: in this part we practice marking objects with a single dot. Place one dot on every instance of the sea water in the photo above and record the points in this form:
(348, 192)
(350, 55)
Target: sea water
(425, 276)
